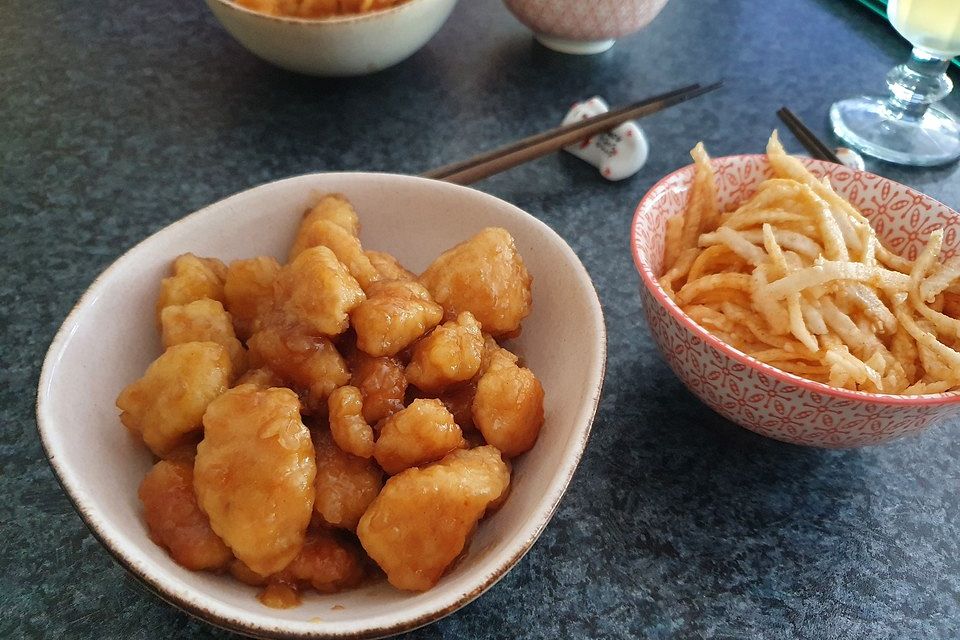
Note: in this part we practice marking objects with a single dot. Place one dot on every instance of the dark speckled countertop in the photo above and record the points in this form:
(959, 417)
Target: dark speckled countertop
(118, 117)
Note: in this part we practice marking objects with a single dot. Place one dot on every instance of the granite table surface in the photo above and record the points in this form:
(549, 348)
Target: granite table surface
(119, 117)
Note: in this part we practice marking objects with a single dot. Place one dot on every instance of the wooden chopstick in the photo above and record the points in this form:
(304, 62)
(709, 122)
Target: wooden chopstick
(810, 142)
(511, 155)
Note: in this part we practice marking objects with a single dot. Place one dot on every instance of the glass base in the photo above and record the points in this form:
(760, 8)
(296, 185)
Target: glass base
(866, 123)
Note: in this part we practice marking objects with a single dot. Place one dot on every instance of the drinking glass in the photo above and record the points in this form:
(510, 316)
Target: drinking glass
(906, 126)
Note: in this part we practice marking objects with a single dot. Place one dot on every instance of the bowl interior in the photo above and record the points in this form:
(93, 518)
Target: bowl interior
(110, 338)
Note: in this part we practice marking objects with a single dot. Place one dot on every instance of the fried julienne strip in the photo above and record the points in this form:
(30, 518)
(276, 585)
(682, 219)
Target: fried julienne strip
(795, 277)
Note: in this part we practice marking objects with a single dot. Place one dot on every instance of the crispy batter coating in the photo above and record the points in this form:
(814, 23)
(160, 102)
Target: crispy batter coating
(493, 351)
(458, 400)
(347, 426)
(175, 521)
(421, 520)
(421, 433)
(333, 207)
(185, 453)
(308, 363)
(317, 291)
(388, 267)
(382, 383)
(262, 378)
(248, 290)
(393, 316)
(328, 562)
(508, 406)
(202, 321)
(343, 244)
(166, 405)
(484, 275)
(346, 484)
(193, 279)
(254, 475)
(451, 353)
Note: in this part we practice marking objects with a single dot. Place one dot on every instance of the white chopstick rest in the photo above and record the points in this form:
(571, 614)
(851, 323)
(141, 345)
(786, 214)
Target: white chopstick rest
(618, 153)
(850, 158)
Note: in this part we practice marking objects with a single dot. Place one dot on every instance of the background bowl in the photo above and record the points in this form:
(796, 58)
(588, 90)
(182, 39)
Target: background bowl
(111, 336)
(755, 395)
(342, 46)
(579, 26)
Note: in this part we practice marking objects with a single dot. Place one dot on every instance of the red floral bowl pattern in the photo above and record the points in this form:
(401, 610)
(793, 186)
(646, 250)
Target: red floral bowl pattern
(585, 19)
(757, 396)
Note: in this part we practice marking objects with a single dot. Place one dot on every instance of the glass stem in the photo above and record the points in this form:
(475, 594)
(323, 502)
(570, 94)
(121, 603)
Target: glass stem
(917, 84)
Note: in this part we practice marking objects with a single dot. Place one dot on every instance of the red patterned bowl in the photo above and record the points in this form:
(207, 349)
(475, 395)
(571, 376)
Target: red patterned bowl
(755, 395)
(584, 26)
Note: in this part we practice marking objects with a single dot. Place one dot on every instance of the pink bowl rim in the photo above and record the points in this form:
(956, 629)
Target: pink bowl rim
(653, 286)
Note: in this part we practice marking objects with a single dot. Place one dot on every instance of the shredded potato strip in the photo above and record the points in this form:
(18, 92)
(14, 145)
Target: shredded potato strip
(868, 300)
(703, 199)
(692, 290)
(790, 239)
(736, 242)
(790, 167)
(939, 280)
(827, 271)
(797, 326)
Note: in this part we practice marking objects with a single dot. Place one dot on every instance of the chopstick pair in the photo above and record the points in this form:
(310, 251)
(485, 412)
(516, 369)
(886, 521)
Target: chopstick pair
(810, 142)
(541, 144)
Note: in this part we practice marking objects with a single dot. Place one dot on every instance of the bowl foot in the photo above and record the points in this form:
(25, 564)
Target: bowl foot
(577, 47)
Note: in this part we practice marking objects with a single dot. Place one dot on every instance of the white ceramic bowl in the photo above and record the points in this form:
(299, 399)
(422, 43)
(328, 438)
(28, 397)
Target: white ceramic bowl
(753, 394)
(110, 337)
(349, 45)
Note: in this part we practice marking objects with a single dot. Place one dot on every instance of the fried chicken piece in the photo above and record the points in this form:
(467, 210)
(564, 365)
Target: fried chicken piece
(484, 275)
(185, 453)
(346, 484)
(493, 351)
(333, 207)
(262, 378)
(421, 433)
(254, 475)
(420, 522)
(193, 279)
(393, 316)
(308, 363)
(176, 522)
(316, 290)
(343, 244)
(382, 383)
(452, 353)
(166, 405)
(347, 426)
(202, 321)
(508, 405)
(388, 267)
(458, 400)
(328, 562)
(248, 290)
